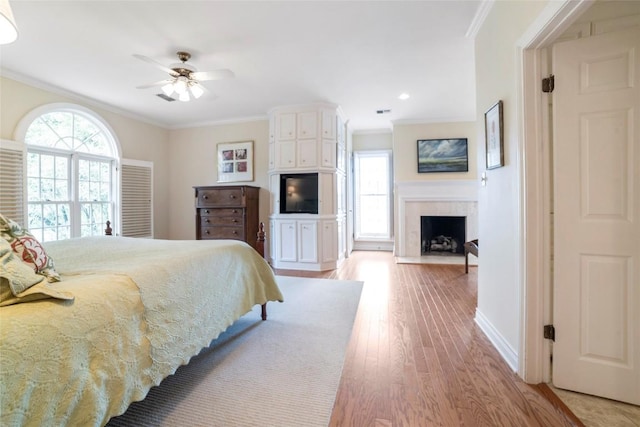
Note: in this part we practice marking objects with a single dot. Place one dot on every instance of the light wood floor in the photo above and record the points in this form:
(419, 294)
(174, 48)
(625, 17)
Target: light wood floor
(416, 357)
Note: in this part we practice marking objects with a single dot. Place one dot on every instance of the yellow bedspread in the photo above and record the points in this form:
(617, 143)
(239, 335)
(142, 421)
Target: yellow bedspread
(142, 309)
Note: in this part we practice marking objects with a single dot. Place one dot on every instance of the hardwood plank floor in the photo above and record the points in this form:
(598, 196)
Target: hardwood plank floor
(417, 358)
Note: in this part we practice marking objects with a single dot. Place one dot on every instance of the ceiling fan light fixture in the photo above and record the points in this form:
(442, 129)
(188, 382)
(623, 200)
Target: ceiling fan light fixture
(168, 89)
(184, 96)
(180, 85)
(8, 28)
(196, 90)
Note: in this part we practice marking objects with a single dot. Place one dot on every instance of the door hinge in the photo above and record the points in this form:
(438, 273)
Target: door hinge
(550, 332)
(548, 83)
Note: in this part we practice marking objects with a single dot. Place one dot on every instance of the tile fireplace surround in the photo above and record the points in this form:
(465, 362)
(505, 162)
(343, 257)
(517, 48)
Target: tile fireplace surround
(432, 198)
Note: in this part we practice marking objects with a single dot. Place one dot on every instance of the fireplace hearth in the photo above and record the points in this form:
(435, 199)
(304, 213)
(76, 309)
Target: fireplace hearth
(442, 235)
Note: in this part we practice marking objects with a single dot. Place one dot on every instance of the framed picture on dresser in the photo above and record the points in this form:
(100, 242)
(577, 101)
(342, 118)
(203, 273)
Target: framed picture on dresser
(235, 161)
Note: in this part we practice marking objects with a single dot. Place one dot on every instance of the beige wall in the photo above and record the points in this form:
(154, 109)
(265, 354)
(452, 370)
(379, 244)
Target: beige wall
(138, 140)
(405, 137)
(372, 141)
(193, 163)
(499, 281)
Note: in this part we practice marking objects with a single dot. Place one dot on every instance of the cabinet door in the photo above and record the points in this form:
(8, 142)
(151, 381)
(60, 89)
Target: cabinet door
(341, 158)
(272, 156)
(329, 124)
(328, 154)
(308, 242)
(287, 238)
(285, 126)
(272, 128)
(307, 153)
(307, 125)
(285, 154)
(329, 241)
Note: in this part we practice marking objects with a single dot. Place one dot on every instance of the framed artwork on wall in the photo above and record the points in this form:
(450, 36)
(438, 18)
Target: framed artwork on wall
(443, 155)
(494, 136)
(235, 161)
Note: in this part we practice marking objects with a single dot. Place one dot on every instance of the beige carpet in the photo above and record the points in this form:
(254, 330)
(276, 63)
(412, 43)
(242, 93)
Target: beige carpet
(282, 372)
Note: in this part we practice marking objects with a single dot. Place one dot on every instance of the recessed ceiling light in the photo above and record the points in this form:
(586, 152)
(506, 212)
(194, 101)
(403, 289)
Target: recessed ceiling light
(403, 96)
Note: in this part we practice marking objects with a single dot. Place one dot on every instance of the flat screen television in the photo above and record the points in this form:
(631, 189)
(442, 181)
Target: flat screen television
(299, 193)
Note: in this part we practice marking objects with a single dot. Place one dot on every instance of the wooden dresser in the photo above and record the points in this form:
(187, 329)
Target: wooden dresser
(227, 212)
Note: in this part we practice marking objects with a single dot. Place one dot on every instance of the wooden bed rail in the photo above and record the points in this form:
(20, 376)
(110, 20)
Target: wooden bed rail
(259, 247)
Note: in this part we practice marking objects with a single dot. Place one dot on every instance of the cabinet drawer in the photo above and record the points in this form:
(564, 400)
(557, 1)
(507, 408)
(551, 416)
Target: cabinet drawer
(221, 197)
(236, 233)
(238, 213)
(227, 221)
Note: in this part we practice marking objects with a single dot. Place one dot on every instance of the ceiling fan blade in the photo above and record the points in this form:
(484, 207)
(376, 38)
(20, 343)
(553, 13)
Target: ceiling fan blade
(160, 83)
(220, 74)
(157, 64)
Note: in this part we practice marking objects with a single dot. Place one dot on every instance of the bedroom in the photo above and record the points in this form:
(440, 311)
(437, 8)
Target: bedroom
(179, 163)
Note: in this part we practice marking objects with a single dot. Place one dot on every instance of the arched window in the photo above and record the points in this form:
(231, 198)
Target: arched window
(71, 172)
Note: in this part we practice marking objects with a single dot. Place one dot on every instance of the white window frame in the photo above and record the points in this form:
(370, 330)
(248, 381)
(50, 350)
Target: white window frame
(28, 119)
(358, 236)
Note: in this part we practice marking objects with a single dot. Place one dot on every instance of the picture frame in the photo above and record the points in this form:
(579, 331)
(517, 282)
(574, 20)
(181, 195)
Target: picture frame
(494, 136)
(443, 155)
(235, 161)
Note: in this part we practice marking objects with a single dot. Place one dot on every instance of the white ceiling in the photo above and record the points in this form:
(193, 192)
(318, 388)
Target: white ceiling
(358, 54)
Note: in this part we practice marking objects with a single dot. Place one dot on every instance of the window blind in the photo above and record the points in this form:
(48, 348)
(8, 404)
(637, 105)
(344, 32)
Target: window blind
(12, 184)
(137, 198)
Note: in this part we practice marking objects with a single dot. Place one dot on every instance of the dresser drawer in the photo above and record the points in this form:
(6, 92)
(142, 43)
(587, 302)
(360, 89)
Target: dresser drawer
(228, 221)
(238, 213)
(211, 232)
(231, 196)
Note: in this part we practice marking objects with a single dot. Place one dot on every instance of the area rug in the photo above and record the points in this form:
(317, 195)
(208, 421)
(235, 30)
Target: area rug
(282, 372)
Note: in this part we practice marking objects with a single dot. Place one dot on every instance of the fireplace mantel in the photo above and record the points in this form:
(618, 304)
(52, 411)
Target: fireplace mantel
(432, 198)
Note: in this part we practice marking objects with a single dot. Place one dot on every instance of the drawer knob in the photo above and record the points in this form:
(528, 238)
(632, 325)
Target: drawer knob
(235, 232)
(206, 211)
(205, 197)
(235, 220)
(206, 220)
(206, 232)
(232, 196)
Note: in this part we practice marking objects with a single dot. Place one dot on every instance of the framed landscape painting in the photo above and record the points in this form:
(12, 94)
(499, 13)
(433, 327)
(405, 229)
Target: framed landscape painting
(443, 155)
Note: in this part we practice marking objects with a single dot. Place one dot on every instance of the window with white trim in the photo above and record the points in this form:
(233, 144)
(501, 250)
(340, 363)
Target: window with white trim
(372, 175)
(71, 175)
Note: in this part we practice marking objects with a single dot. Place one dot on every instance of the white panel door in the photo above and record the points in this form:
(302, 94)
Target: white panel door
(308, 243)
(287, 241)
(596, 120)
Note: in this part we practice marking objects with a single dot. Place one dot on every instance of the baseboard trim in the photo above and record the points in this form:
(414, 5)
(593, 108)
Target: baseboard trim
(506, 351)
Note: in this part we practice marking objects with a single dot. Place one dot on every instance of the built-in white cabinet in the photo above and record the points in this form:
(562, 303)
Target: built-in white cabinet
(307, 139)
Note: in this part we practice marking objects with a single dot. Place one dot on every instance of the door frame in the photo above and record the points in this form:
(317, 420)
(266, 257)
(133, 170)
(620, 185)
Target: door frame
(534, 365)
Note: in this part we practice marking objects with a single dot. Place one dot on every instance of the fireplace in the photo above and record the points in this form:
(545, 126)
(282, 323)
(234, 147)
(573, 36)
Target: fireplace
(442, 235)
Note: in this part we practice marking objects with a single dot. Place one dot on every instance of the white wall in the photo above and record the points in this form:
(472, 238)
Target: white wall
(138, 140)
(193, 162)
(500, 233)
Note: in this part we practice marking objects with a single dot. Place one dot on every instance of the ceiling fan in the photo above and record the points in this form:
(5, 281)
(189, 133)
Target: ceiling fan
(185, 78)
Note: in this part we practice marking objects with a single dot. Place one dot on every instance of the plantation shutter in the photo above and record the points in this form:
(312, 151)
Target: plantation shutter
(12, 181)
(137, 198)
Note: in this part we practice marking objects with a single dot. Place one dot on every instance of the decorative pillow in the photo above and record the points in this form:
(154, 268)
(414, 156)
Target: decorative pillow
(28, 248)
(19, 283)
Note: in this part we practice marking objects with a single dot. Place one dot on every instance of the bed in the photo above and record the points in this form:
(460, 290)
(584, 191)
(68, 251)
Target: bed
(140, 308)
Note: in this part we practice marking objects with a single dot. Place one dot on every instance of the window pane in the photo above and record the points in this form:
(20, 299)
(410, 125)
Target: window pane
(55, 188)
(373, 217)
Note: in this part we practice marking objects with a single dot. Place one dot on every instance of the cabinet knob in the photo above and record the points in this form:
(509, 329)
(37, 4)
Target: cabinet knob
(206, 232)
(205, 197)
(235, 220)
(232, 196)
(206, 220)
(235, 211)
(235, 232)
